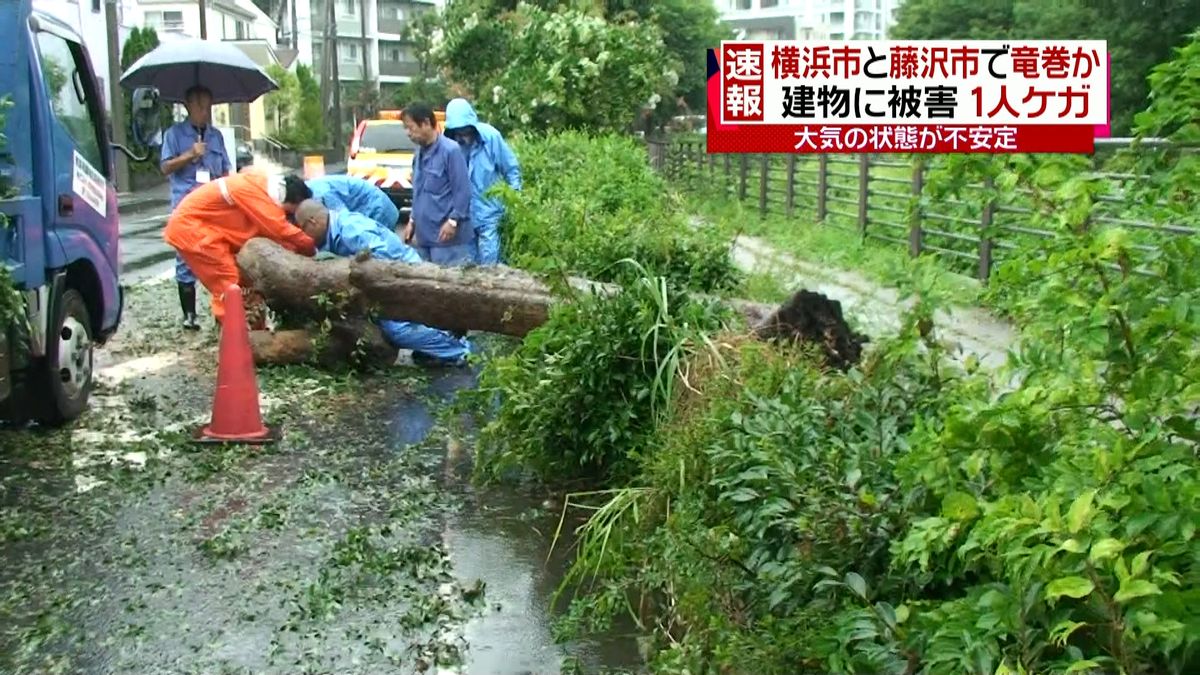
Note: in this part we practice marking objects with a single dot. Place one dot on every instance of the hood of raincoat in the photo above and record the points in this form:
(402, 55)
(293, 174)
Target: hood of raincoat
(459, 114)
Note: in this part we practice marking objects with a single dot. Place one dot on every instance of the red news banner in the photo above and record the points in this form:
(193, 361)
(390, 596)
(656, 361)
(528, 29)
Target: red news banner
(943, 96)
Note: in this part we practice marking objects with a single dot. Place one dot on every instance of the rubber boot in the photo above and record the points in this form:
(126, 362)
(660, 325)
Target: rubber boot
(187, 300)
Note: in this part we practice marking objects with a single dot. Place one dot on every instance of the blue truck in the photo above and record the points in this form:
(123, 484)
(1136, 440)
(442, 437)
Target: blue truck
(60, 292)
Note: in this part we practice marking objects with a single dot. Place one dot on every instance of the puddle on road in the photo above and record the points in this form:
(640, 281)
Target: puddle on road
(503, 538)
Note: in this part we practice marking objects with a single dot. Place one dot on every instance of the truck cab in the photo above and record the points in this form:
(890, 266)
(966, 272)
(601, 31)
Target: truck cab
(60, 294)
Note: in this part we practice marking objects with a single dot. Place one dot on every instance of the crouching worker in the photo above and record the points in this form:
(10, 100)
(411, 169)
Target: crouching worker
(345, 233)
(215, 220)
(341, 192)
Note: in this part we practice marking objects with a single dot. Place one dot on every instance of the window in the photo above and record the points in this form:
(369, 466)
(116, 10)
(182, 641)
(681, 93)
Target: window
(240, 29)
(96, 5)
(394, 54)
(73, 98)
(350, 7)
(387, 137)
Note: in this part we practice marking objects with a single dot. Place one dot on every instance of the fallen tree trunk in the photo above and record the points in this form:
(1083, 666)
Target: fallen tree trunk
(347, 341)
(490, 299)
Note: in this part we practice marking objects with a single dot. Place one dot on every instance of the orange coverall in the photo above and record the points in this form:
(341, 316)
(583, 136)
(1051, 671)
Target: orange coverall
(215, 220)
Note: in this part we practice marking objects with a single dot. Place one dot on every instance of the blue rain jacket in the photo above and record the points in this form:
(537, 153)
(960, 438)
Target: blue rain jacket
(488, 161)
(354, 194)
(350, 233)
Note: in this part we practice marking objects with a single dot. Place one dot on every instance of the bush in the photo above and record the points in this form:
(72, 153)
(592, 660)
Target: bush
(591, 201)
(582, 393)
(772, 472)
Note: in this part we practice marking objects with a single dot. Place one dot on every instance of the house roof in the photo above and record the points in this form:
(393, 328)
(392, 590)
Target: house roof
(286, 56)
(260, 52)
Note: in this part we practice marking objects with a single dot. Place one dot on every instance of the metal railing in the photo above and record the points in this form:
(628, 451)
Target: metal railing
(886, 199)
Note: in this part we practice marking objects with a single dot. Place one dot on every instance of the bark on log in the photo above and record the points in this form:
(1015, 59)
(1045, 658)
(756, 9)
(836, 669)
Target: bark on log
(346, 342)
(290, 282)
(491, 299)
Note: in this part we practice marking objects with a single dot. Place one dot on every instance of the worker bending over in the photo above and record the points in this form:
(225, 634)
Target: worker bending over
(340, 192)
(215, 220)
(345, 233)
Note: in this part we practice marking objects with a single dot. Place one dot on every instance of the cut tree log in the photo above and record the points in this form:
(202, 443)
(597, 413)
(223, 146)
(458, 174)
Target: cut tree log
(345, 342)
(499, 300)
(493, 299)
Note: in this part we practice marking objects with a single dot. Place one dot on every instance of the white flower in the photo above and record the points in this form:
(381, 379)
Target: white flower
(471, 22)
(496, 92)
(525, 119)
(672, 77)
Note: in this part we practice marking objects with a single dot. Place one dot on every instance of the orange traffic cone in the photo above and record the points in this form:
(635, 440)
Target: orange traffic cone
(236, 417)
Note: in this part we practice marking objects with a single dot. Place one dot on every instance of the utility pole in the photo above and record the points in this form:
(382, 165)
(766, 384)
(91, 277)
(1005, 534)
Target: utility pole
(363, 20)
(203, 21)
(116, 100)
(333, 65)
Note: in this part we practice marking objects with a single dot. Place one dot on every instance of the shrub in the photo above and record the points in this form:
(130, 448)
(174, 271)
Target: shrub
(580, 396)
(770, 473)
(591, 201)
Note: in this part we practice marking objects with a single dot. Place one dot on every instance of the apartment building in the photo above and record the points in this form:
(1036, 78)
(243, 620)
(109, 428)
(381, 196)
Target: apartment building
(809, 19)
(371, 44)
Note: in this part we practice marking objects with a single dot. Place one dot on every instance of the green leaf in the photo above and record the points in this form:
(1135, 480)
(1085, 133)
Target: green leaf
(1081, 510)
(1136, 588)
(1073, 587)
(960, 506)
(1106, 548)
(856, 584)
(1062, 631)
(1141, 563)
(1073, 546)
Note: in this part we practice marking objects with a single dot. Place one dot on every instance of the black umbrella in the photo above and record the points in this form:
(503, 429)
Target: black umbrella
(176, 66)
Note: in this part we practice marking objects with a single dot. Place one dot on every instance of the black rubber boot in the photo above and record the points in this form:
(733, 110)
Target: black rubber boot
(187, 300)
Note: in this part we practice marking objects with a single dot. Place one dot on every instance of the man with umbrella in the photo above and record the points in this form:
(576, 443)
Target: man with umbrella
(193, 153)
(197, 73)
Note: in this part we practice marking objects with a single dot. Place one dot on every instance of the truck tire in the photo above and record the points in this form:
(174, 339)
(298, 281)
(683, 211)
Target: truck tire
(67, 373)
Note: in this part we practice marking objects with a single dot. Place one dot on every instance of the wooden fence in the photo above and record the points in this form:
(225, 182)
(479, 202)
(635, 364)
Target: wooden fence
(884, 198)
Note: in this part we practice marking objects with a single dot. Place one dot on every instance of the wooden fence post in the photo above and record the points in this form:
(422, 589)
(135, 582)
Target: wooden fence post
(763, 171)
(791, 184)
(914, 224)
(985, 239)
(743, 175)
(728, 174)
(822, 185)
(864, 179)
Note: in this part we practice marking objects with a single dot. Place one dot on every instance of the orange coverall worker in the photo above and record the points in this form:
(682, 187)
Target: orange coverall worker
(215, 220)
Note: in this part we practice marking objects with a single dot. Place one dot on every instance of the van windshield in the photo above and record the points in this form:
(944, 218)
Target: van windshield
(386, 138)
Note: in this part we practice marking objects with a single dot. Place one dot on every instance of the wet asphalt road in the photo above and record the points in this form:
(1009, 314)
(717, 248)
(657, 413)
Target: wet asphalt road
(144, 254)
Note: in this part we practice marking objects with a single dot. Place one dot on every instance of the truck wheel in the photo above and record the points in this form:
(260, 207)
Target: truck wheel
(68, 366)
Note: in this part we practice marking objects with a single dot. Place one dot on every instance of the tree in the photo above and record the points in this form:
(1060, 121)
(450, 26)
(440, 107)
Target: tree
(141, 41)
(295, 108)
(540, 70)
(689, 29)
(282, 104)
(423, 32)
(1140, 34)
